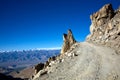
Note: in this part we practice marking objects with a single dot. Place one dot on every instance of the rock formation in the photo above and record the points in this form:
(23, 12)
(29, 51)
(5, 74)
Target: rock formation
(68, 41)
(105, 27)
(39, 67)
(96, 59)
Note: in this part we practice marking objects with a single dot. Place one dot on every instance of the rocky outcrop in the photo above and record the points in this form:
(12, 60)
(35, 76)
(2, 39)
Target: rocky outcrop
(43, 67)
(105, 27)
(38, 67)
(68, 41)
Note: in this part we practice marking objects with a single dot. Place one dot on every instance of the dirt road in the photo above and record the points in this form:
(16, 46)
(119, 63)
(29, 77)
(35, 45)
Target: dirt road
(92, 63)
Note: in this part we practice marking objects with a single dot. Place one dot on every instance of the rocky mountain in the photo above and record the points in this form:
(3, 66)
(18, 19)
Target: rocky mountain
(95, 59)
(105, 27)
(24, 57)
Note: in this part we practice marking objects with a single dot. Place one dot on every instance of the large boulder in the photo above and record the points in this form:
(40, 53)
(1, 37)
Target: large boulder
(68, 41)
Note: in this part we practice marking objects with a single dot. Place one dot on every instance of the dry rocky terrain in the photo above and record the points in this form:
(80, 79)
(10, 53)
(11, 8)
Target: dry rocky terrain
(91, 62)
(97, 58)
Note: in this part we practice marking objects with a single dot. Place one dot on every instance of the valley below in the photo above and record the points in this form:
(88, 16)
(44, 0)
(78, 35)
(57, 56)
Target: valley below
(15, 63)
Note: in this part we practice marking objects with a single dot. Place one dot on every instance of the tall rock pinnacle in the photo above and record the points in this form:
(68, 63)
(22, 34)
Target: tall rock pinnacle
(68, 41)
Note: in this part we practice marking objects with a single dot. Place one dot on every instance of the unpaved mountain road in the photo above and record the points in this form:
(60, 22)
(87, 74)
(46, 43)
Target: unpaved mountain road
(92, 63)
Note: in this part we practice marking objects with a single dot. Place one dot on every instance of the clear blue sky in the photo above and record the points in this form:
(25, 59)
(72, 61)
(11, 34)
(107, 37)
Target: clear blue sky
(30, 24)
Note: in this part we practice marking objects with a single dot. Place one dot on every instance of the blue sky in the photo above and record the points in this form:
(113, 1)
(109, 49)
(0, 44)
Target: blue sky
(30, 24)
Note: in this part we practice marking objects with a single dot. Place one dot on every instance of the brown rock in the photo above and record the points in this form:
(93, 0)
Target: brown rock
(68, 41)
(39, 67)
(106, 12)
(46, 64)
(105, 27)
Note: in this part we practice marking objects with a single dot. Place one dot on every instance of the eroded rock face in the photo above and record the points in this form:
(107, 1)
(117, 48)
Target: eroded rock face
(105, 27)
(68, 41)
(104, 14)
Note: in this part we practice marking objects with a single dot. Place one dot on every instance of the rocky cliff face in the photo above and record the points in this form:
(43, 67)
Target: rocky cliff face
(68, 41)
(105, 27)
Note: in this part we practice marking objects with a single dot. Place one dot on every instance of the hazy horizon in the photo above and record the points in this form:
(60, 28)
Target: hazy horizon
(56, 48)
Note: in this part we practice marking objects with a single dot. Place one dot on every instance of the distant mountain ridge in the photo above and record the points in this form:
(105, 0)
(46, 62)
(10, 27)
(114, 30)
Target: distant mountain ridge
(56, 48)
(25, 56)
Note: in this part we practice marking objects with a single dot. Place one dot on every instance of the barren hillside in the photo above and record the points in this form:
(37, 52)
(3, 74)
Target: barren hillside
(95, 59)
(91, 63)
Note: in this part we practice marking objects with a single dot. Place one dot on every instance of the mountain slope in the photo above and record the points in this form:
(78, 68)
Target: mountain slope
(91, 63)
(95, 59)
